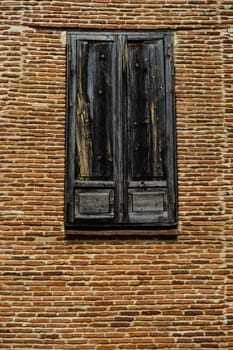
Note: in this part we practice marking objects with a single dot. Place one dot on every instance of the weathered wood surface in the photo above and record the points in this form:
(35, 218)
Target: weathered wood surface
(94, 111)
(144, 107)
(121, 168)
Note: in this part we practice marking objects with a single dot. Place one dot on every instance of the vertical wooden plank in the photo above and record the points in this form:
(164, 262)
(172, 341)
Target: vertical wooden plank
(137, 88)
(144, 109)
(101, 108)
(119, 134)
(83, 127)
(159, 110)
(70, 125)
(94, 111)
(170, 129)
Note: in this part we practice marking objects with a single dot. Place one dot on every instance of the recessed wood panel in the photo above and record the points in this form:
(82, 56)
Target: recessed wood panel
(147, 205)
(97, 203)
(145, 108)
(147, 202)
(94, 141)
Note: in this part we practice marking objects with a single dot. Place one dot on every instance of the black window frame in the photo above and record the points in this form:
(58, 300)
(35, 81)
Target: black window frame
(119, 193)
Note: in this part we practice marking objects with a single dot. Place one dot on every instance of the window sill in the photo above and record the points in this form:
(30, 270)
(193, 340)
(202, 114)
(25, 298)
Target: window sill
(127, 232)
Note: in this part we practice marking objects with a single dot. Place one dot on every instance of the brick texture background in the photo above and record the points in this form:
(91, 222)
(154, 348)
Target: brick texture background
(112, 293)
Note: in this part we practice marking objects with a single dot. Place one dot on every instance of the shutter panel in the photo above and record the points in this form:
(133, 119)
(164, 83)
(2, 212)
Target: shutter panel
(147, 171)
(92, 99)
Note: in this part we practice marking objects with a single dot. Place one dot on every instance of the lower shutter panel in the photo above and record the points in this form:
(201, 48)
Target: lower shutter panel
(147, 205)
(94, 204)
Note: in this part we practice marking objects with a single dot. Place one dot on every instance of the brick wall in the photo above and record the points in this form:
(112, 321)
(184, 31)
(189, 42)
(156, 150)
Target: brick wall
(128, 292)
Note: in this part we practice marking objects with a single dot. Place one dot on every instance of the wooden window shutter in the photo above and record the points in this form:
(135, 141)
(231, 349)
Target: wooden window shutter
(148, 104)
(91, 148)
(120, 131)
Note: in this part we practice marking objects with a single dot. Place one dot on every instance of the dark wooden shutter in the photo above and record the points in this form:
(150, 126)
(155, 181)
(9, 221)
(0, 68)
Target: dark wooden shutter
(120, 130)
(148, 92)
(91, 117)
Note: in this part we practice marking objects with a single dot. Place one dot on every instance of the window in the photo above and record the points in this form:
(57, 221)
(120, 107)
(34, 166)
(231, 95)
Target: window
(120, 130)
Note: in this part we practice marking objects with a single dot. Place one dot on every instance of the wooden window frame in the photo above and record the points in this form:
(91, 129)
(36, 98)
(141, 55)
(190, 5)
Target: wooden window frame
(121, 206)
